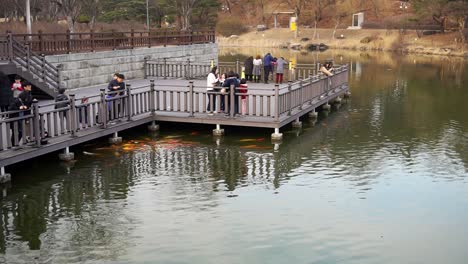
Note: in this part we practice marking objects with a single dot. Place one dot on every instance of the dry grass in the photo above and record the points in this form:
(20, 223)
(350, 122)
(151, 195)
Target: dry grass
(383, 40)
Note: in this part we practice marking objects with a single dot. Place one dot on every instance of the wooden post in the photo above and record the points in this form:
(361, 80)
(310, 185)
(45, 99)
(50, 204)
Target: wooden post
(93, 44)
(301, 93)
(191, 98)
(152, 93)
(289, 97)
(188, 72)
(149, 39)
(165, 68)
(103, 112)
(73, 119)
(28, 56)
(277, 102)
(68, 41)
(129, 102)
(10, 46)
(132, 38)
(41, 42)
(231, 99)
(43, 62)
(36, 124)
(145, 67)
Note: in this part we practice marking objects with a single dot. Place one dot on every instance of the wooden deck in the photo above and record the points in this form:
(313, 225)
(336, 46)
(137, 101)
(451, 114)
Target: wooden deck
(145, 101)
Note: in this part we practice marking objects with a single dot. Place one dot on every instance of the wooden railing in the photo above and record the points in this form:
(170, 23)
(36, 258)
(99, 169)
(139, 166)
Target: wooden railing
(186, 101)
(24, 57)
(60, 43)
(166, 68)
(176, 69)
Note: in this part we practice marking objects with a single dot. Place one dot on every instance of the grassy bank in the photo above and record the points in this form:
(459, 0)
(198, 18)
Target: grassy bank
(365, 39)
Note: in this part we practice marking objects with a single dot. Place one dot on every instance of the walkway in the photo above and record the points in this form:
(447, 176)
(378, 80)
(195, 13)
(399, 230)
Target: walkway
(144, 102)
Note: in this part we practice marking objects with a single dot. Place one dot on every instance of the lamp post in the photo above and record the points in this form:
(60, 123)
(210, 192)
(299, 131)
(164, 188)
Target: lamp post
(147, 15)
(28, 17)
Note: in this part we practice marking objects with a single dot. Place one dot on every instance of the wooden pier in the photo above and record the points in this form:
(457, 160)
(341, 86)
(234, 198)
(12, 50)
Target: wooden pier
(149, 101)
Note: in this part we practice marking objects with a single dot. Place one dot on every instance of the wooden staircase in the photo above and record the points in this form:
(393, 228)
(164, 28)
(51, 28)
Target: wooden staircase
(18, 59)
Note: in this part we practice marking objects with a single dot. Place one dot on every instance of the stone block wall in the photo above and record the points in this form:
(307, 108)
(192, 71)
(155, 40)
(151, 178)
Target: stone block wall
(95, 68)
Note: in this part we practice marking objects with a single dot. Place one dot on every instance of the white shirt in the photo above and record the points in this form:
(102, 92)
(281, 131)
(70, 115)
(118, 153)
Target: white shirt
(257, 62)
(211, 81)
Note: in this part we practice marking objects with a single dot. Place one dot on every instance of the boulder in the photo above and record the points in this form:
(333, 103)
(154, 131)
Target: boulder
(295, 46)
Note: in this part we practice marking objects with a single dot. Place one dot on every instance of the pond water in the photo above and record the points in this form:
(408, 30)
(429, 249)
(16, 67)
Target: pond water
(383, 179)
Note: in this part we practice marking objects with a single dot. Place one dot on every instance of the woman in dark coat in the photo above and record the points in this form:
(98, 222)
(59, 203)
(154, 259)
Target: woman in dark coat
(5, 92)
(248, 64)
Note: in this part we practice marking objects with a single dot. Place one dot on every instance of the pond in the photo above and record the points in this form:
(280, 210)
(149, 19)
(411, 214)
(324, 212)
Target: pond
(381, 179)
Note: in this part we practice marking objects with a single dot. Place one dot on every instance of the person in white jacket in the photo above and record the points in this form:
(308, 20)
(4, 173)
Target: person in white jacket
(211, 82)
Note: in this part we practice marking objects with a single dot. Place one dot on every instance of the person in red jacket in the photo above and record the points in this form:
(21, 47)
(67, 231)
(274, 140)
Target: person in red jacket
(243, 90)
(17, 87)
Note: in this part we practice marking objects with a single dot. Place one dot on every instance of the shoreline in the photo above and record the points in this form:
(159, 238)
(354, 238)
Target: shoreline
(354, 40)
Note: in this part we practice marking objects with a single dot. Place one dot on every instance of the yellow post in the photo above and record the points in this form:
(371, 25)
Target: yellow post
(212, 63)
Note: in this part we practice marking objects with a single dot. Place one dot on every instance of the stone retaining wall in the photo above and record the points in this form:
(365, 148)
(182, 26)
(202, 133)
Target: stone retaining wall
(94, 68)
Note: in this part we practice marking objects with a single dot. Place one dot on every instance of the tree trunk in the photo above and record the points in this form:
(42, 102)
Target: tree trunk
(336, 26)
(315, 29)
(71, 24)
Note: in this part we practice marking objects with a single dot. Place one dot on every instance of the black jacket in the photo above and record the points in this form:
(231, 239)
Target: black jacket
(6, 95)
(248, 64)
(63, 99)
(24, 99)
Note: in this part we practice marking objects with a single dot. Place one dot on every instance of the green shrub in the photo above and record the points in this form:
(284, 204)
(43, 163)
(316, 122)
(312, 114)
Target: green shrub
(230, 26)
(83, 19)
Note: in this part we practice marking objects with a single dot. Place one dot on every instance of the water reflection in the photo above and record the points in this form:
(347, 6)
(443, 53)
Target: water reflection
(396, 147)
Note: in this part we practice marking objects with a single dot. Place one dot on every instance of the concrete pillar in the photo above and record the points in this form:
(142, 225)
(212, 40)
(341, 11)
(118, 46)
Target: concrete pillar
(313, 114)
(4, 177)
(326, 107)
(67, 155)
(297, 123)
(115, 139)
(337, 100)
(276, 147)
(218, 131)
(277, 136)
(153, 127)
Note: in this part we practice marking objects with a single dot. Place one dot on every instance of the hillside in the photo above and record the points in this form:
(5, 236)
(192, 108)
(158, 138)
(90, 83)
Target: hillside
(376, 39)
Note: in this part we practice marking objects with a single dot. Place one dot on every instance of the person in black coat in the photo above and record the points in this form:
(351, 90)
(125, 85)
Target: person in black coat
(232, 80)
(248, 68)
(23, 102)
(6, 95)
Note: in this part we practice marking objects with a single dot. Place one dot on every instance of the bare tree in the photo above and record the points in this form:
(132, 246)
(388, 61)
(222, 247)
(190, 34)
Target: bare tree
(71, 9)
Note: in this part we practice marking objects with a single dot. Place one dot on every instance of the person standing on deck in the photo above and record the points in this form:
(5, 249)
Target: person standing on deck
(23, 102)
(257, 68)
(268, 66)
(280, 63)
(6, 95)
(231, 80)
(248, 68)
(211, 81)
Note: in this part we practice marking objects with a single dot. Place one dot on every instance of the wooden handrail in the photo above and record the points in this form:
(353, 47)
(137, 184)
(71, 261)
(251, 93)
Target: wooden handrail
(23, 56)
(60, 43)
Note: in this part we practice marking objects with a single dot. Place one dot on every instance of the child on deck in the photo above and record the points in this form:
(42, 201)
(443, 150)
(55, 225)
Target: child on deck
(243, 90)
(17, 87)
